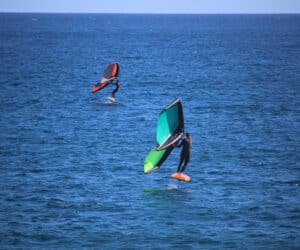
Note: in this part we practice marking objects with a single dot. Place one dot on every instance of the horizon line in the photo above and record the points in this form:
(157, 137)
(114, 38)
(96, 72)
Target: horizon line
(151, 13)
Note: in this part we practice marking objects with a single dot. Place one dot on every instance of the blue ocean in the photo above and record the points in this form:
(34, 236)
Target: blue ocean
(71, 163)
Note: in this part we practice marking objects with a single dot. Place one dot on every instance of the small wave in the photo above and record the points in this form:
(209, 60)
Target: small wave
(172, 186)
(292, 46)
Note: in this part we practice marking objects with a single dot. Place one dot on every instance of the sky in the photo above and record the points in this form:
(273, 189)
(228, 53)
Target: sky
(152, 6)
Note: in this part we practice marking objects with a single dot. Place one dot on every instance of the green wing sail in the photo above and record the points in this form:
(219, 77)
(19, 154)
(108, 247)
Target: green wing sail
(170, 128)
(155, 158)
(170, 125)
(166, 124)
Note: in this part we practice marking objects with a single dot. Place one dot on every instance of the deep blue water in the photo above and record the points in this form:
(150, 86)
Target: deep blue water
(71, 165)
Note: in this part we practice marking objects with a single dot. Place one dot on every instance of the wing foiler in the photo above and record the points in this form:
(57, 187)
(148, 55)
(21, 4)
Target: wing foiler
(170, 128)
(110, 73)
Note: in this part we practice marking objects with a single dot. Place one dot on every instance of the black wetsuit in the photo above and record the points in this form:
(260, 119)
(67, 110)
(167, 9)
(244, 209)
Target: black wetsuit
(117, 83)
(186, 145)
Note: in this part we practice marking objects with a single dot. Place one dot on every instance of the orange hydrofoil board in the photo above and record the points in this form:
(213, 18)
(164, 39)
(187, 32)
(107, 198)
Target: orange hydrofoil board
(181, 177)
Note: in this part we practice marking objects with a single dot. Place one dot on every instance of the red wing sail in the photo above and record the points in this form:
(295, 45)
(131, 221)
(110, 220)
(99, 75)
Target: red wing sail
(100, 86)
(111, 72)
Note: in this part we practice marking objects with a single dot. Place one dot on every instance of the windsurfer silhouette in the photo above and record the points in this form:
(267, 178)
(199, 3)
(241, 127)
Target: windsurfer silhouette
(186, 144)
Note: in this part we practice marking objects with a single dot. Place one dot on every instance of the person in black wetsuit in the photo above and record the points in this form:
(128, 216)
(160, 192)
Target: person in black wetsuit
(186, 144)
(116, 81)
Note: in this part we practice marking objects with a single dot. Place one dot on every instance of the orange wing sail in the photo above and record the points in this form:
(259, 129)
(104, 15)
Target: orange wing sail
(110, 73)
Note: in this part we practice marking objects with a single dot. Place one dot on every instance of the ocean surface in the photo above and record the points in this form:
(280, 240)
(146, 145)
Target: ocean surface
(71, 164)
